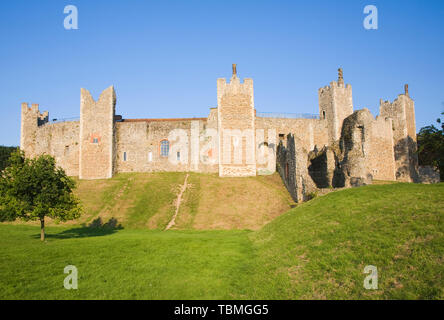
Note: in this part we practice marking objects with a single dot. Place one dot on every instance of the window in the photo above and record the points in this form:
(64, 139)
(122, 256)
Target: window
(150, 156)
(124, 156)
(323, 114)
(178, 156)
(95, 140)
(164, 148)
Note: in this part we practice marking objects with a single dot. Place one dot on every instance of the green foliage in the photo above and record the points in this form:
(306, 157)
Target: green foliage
(5, 153)
(431, 146)
(32, 189)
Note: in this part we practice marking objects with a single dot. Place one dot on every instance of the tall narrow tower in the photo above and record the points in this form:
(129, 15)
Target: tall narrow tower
(402, 111)
(235, 107)
(335, 104)
(30, 121)
(97, 135)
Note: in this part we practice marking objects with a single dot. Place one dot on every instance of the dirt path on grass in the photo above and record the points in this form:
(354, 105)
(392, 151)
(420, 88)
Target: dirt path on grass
(178, 202)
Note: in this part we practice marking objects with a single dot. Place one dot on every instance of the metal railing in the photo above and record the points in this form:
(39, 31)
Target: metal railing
(64, 119)
(281, 115)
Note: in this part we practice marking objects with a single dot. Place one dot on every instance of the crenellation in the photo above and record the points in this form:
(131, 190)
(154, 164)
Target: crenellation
(340, 148)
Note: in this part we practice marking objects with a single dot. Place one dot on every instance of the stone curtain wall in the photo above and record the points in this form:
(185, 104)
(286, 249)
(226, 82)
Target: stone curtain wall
(60, 140)
(141, 141)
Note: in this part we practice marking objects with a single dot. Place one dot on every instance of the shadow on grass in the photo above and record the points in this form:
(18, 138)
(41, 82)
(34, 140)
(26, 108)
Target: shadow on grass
(95, 229)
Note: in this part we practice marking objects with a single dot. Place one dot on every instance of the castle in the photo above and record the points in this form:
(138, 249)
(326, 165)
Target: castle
(339, 147)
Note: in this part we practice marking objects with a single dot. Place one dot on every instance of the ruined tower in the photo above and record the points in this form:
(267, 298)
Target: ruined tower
(236, 124)
(97, 135)
(31, 119)
(335, 104)
(402, 111)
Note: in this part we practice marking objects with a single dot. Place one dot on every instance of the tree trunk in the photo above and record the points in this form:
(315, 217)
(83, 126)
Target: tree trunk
(42, 229)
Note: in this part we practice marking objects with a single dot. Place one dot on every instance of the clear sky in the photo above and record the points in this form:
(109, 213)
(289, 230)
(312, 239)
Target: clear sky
(164, 57)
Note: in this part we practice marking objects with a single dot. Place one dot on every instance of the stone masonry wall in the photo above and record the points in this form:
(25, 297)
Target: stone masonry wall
(404, 136)
(97, 143)
(237, 152)
(335, 104)
(140, 142)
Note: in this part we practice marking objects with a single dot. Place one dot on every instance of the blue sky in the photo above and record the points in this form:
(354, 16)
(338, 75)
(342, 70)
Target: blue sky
(164, 57)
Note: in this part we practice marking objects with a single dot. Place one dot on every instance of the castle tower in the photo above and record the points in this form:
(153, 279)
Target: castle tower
(31, 119)
(402, 111)
(335, 104)
(97, 135)
(236, 125)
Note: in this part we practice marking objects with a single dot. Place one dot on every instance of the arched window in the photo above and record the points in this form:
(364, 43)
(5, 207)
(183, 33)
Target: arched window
(164, 148)
(323, 114)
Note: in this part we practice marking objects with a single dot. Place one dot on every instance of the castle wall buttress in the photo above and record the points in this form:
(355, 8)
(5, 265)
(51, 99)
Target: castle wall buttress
(97, 135)
(236, 126)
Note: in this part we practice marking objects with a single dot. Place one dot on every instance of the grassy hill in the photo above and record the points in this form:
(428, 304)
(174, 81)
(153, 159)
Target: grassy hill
(147, 200)
(316, 250)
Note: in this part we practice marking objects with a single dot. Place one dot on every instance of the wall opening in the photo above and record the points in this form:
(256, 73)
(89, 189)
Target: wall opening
(164, 148)
(318, 170)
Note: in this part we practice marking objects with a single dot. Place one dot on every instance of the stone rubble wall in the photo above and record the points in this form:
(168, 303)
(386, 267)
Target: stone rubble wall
(401, 110)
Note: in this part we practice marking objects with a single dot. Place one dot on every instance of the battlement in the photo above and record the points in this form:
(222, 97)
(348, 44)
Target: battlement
(233, 140)
(335, 104)
(32, 113)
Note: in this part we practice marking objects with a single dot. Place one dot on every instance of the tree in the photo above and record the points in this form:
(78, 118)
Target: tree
(32, 189)
(5, 153)
(431, 146)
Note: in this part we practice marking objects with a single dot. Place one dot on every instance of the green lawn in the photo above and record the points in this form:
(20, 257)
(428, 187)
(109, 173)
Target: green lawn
(317, 250)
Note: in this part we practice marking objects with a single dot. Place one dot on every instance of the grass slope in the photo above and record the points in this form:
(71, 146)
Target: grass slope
(319, 250)
(147, 201)
(316, 250)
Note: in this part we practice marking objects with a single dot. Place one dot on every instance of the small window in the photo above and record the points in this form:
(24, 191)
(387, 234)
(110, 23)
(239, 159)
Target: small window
(95, 140)
(164, 148)
(124, 156)
(178, 156)
(323, 114)
(150, 156)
